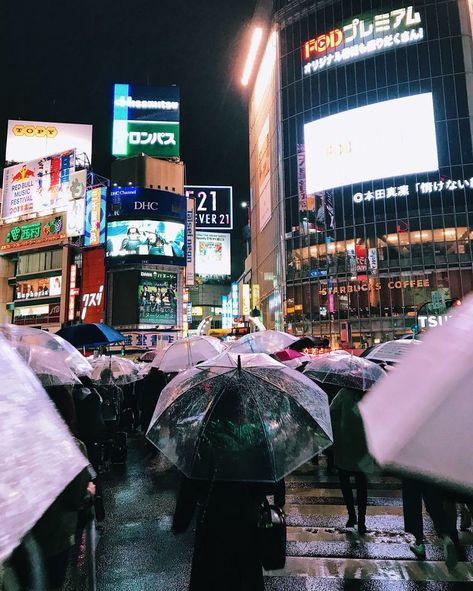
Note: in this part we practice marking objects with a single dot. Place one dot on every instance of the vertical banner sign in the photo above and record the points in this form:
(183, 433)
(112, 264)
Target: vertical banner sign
(373, 261)
(235, 300)
(246, 305)
(95, 205)
(301, 177)
(73, 292)
(361, 266)
(190, 242)
(92, 285)
(329, 211)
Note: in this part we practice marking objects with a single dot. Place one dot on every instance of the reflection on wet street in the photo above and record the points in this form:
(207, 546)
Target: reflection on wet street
(137, 550)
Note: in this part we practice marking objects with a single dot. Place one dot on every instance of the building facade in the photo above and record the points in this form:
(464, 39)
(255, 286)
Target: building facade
(373, 166)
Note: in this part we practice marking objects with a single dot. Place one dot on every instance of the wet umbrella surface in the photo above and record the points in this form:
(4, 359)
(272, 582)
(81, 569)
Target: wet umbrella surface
(346, 371)
(246, 424)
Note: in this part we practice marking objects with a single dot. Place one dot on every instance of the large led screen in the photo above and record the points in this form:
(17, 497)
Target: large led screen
(387, 139)
(157, 296)
(146, 238)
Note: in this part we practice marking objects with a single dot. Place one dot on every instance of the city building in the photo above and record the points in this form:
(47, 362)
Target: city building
(361, 164)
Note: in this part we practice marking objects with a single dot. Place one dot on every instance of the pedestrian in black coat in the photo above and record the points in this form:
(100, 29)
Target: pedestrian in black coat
(150, 390)
(90, 424)
(226, 552)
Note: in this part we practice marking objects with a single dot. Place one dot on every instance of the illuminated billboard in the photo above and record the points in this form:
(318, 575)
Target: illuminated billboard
(39, 186)
(213, 206)
(157, 297)
(147, 238)
(212, 253)
(362, 37)
(95, 216)
(92, 285)
(388, 139)
(146, 120)
(27, 235)
(140, 201)
(31, 140)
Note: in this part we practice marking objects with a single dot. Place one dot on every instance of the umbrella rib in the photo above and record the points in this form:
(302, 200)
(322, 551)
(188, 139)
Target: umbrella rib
(265, 434)
(206, 419)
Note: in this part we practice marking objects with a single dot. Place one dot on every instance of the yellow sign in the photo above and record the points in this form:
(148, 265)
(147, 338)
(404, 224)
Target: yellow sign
(34, 131)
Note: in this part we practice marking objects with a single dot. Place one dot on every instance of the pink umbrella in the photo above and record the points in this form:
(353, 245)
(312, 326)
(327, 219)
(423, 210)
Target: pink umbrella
(288, 355)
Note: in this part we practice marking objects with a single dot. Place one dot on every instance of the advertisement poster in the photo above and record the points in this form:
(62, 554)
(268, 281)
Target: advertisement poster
(29, 140)
(27, 235)
(146, 120)
(95, 216)
(373, 261)
(157, 297)
(38, 186)
(264, 175)
(145, 238)
(39, 288)
(212, 253)
(361, 261)
(138, 200)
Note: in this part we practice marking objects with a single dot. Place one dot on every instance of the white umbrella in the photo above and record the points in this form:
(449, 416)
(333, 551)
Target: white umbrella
(419, 418)
(39, 456)
(265, 341)
(229, 359)
(188, 352)
(48, 342)
(391, 351)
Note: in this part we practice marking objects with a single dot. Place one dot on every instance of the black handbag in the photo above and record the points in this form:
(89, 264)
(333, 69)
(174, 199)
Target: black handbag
(272, 536)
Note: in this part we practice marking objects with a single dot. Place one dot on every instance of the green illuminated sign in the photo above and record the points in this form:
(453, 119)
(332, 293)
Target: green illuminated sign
(32, 230)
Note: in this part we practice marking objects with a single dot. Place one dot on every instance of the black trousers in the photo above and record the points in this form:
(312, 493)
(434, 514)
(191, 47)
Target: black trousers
(361, 484)
(413, 493)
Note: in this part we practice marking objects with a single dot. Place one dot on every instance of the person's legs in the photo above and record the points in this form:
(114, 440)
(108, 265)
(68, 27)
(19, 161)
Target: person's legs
(412, 509)
(56, 569)
(345, 485)
(433, 500)
(362, 500)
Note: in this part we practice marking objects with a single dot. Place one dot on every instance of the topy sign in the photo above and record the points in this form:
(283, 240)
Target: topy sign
(362, 37)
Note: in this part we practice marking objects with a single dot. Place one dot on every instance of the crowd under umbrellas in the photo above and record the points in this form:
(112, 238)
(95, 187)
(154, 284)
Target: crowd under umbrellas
(253, 411)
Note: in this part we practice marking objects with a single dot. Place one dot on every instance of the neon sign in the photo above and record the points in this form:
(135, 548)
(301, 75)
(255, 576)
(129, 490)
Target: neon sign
(362, 37)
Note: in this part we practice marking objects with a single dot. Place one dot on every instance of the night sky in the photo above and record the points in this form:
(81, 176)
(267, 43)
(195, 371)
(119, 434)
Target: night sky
(61, 59)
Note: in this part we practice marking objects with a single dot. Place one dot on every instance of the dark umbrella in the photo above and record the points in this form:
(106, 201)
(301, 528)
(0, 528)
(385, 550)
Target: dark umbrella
(249, 423)
(343, 370)
(309, 343)
(90, 335)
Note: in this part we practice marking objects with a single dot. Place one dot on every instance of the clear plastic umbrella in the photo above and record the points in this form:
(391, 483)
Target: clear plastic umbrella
(39, 456)
(344, 371)
(124, 371)
(418, 419)
(265, 341)
(64, 352)
(246, 423)
(187, 353)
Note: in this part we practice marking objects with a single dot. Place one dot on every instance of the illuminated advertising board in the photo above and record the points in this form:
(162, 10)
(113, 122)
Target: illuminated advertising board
(30, 140)
(27, 235)
(362, 37)
(157, 297)
(387, 139)
(146, 121)
(213, 205)
(39, 186)
(147, 202)
(95, 216)
(212, 253)
(38, 288)
(93, 285)
(159, 240)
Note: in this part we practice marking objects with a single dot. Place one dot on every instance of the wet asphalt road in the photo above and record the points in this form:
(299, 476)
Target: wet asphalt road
(137, 550)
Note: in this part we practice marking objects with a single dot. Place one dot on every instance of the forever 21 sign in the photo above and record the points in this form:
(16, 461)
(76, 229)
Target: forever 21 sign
(213, 207)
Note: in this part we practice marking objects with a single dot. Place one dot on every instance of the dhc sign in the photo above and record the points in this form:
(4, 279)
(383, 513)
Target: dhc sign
(131, 200)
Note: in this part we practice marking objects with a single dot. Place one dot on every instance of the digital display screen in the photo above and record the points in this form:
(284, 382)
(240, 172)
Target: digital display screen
(387, 139)
(157, 297)
(146, 238)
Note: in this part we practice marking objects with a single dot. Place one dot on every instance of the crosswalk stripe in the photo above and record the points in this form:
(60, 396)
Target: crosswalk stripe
(356, 569)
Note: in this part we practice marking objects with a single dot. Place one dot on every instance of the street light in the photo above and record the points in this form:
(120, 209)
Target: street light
(252, 54)
(244, 204)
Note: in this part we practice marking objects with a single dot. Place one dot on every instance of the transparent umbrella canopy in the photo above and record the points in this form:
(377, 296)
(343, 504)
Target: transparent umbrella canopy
(246, 423)
(39, 456)
(48, 343)
(265, 341)
(187, 353)
(124, 371)
(346, 371)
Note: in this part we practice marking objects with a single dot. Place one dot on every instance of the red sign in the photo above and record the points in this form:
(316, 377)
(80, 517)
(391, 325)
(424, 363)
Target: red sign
(93, 285)
(321, 44)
